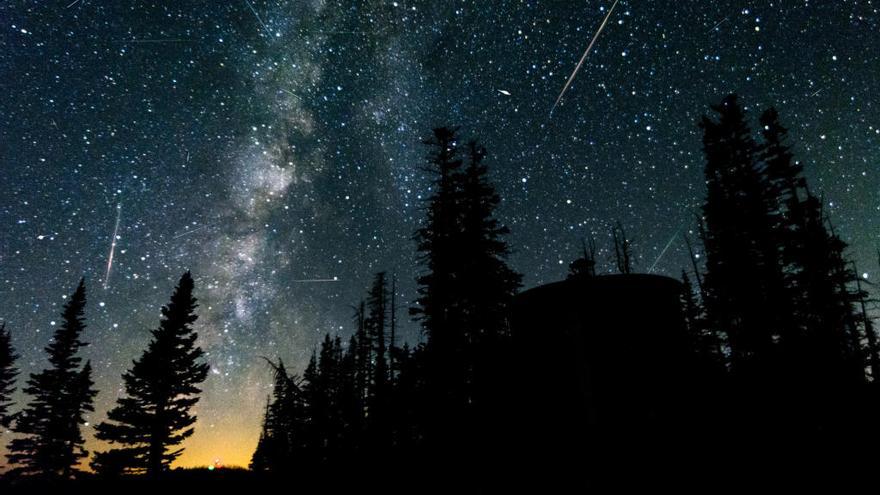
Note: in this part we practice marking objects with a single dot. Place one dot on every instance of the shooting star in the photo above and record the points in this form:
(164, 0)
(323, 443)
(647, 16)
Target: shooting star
(718, 24)
(188, 232)
(817, 92)
(250, 6)
(72, 4)
(663, 252)
(112, 246)
(315, 280)
(504, 92)
(158, 40)
(584, 56)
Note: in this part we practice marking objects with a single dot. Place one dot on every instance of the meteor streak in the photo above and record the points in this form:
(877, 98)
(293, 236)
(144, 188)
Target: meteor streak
(250, 6)
(718, 24)
(583, 57)
(654, 265)
(316, 280)
(188, 232)
(155, 40)
(112, 246)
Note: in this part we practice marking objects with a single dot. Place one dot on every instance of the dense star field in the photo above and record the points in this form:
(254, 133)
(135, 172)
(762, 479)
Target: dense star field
(273, 148)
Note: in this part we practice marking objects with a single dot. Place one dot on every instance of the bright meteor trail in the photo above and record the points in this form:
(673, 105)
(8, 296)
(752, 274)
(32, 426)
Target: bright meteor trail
(112, 246)
(250, 6)
(583, 57)
(665, 248)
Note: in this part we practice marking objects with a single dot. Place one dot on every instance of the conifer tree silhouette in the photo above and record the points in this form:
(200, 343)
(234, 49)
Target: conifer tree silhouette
(782, 185)
(466, 287)
(282, 435)
(585, 266)
(706, 343)
(622, 249)
(8, 372)
(778, 284)
(161, 388)
(741, 261)
(377, 323)
(437, 306)
(435, 241)
(51, 424)
(872, 352)
(315, 397)
(487, 284)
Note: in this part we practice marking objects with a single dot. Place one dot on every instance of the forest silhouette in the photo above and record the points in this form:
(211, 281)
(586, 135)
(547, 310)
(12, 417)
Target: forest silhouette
(759, 363)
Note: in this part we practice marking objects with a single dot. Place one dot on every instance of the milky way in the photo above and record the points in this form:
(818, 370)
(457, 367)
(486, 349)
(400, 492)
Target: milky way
(262, 144)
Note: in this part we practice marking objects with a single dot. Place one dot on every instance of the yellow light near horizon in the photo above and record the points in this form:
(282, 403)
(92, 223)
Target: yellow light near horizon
(234, 444)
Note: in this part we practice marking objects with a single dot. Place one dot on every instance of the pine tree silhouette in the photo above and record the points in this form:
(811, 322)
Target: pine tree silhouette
(741, 280)
(436, 243)
(282, 436)
(438, 306)
(779, 287)
(783, 186)
(8, 372)
(363, 355)
(329, 371)
(61, 395)
(585, 266)
(377, 323)
(351, 401)
(706, 343)
(487, 284)
(160, 389)
(315, 397)
(872, 352)
(622, 249)
(832, 340)
(261, 459)
(464, 292)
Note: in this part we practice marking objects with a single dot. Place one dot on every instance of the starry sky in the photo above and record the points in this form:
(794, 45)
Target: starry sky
(269, 144)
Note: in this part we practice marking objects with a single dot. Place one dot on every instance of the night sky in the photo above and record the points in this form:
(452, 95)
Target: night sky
(274, 146)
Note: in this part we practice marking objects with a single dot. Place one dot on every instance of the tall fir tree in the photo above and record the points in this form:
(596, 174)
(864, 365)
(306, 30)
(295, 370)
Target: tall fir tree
(466, 287)
(377, 324)
(281, 438)
(51, 442)
(330, 378)
(830, 349)
(261, 459)
(363, 354)
(436, 243)
(872, 348)
(438, 304)
(741, 281)
(487, 284)
(779, 165)
(777, 280)
(315, 397)
(622, 250)
(351, 400)
(8, 372)
(161, 388)
(585, 266)
(392, 331)
(783, 185)
(706, 345)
